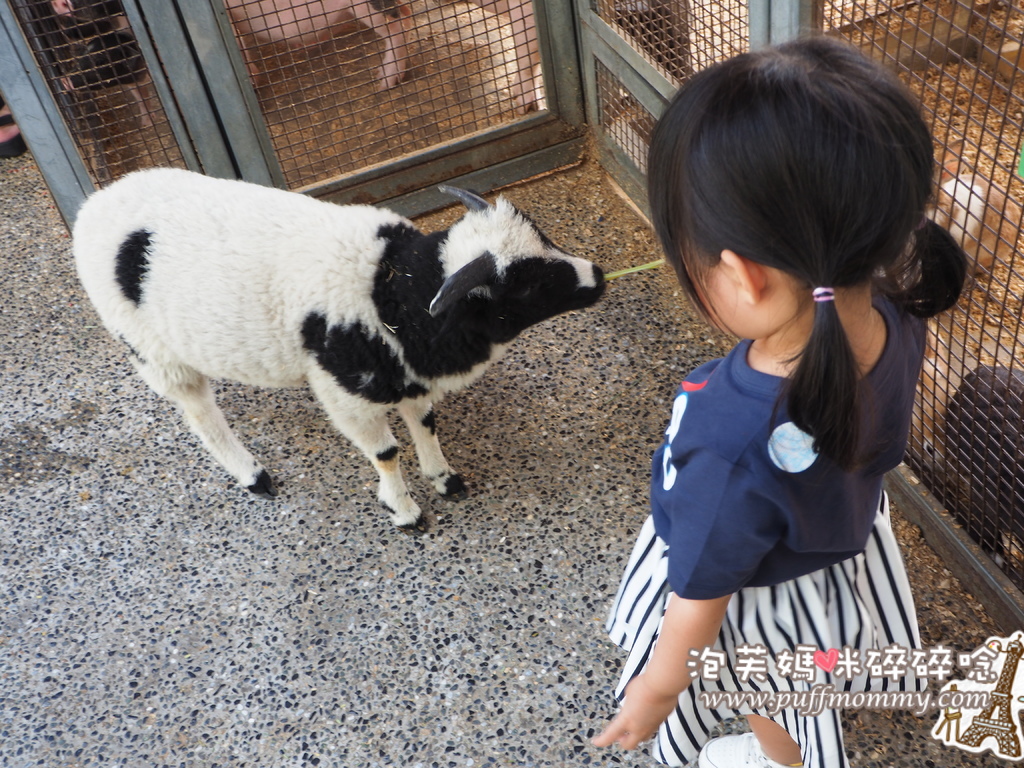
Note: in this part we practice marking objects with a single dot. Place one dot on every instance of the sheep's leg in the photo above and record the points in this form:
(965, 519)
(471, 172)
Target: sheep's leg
(191, 391)
(366, 425)
(419, 417)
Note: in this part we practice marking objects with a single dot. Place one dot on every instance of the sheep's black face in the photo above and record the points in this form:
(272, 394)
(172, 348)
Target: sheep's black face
(534, 289)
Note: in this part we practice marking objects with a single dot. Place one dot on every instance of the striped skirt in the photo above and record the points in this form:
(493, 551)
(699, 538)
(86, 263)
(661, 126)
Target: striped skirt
(861, 603)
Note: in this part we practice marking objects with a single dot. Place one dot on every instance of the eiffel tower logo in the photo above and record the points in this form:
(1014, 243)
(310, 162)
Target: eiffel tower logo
(996, 720)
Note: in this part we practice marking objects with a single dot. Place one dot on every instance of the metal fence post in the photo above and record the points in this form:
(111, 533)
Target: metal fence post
(778, 21)
(39, 120)
(759, 23)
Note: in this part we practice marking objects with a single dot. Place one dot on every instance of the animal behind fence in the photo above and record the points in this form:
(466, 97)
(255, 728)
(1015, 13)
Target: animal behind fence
(300, 22)
(205, 277)
(979, 214)
(984, 445)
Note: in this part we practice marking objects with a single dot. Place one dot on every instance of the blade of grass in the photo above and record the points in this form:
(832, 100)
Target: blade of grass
(630, 270)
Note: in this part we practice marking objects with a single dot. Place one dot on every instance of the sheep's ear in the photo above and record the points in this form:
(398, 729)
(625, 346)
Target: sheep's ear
(471, 200)
(480, 271)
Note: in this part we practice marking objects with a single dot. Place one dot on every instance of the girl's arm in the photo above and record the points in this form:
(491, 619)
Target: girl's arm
(652, 695)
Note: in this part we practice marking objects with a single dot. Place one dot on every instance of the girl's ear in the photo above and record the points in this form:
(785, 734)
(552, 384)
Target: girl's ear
(748, 277)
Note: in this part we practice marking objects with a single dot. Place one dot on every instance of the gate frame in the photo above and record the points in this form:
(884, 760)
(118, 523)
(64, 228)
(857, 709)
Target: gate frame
(214, 114)
(768, 22)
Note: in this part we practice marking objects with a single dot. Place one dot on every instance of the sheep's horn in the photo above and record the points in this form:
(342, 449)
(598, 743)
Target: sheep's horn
(480, 271)
(469, 199)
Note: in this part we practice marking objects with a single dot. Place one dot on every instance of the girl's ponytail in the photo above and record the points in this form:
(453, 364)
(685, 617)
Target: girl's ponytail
(929, 280)
(821, 394)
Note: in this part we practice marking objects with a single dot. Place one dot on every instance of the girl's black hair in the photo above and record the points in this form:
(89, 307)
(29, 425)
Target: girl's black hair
(811, 159)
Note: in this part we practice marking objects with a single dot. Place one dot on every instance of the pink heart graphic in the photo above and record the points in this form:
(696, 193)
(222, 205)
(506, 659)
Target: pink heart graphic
(827, 661)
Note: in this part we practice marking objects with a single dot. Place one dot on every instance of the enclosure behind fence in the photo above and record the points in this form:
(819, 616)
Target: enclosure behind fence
(339, 96)
(90, 60)
(312, 95)
(635, 54)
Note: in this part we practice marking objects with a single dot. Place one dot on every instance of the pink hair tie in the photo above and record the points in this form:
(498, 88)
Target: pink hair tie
(823, 294)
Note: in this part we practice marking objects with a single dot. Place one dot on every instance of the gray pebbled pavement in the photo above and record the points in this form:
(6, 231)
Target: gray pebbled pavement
(155, 614)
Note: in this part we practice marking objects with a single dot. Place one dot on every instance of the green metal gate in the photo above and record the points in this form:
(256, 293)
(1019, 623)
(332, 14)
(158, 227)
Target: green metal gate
(295, 98)
(636, 53)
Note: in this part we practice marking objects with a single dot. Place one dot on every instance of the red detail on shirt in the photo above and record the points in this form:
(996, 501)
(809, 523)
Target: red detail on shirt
(689, 386)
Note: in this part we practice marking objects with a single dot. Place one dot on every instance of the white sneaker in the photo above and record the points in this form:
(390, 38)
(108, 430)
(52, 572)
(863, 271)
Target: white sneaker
(736, 751)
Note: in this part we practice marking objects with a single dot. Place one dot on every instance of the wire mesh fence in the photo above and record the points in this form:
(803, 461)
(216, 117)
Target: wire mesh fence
(345, 85)
(623, 117)
(678, 37)
(90, 60)
(341, 85)
(967, 444)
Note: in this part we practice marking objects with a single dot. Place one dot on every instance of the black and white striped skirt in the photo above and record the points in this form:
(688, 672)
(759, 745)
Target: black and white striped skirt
(861, 603)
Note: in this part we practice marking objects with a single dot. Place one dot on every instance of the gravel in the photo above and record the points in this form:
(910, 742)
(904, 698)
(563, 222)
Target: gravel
(157, 615)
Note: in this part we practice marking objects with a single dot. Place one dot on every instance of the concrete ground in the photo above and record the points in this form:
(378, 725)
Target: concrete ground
(155, 614)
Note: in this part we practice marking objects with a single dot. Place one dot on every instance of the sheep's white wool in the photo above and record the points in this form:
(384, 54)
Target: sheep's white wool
(249, 263)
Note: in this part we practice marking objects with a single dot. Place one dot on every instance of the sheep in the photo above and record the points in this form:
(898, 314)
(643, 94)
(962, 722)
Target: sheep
(211, 278)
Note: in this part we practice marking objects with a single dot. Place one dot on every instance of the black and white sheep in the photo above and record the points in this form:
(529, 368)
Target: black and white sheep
(209, 278)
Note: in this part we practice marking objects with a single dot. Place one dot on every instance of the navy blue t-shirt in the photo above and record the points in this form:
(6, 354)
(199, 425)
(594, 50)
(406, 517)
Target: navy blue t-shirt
(739, 494)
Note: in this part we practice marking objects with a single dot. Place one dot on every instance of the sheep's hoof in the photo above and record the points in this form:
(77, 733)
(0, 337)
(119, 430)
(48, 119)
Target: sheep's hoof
(455, 488)
(263, 486)
(418, 527)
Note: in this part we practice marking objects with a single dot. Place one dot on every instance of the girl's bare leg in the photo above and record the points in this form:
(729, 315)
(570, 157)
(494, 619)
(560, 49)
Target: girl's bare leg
(775, 740)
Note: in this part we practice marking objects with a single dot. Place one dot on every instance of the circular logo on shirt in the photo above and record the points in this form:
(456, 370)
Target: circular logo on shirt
(791, 449)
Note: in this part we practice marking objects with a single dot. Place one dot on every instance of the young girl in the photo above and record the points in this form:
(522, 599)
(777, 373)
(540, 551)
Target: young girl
(788, 188)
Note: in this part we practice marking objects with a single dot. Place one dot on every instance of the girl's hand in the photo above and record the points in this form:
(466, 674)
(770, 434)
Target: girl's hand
(643, 711)
(651, 696)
